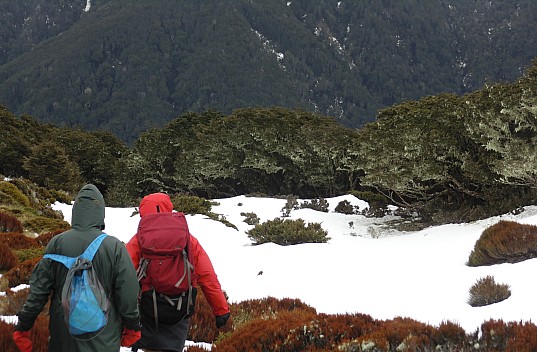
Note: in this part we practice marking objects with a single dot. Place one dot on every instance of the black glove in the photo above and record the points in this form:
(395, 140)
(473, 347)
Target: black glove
(221, 320)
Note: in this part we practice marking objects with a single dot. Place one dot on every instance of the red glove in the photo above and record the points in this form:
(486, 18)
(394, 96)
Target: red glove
(22, 340)
(129, 337)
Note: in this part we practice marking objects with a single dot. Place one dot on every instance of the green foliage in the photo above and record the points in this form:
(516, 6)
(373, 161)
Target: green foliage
(272, 151)
(320, 204)
(363, 57)
(41, 224)
(486, 291)
(287, 232)
(372, 198)
(290, 204)
(29, 253)
(191, 204)
(251, 218)
(344, 207)
(504, 242)
(14, 193)
(49, 166)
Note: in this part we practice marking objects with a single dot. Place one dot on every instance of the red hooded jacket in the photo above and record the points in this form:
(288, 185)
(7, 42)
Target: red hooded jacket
(207, 279)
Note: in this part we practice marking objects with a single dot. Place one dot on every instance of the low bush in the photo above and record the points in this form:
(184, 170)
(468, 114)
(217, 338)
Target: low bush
(287, 232)
(9, 223)
(320, 204)
(264, 308)
(39, 335)
(7, 258)
(12, 302)
(510, 337)
(29, 253)
(486, 291)
(250, 218)
(344, 207)
(191, 204)
(290, 205)
(504, 242)
(42, 224)
(44, 239)
(203, 324)
(17, 240)
(14, 193)
(19, 274)
(268, 334)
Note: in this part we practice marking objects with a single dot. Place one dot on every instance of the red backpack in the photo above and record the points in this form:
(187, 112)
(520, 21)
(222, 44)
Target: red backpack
(166, 267)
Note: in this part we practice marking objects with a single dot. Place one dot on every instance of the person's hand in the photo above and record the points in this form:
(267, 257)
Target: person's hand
(129, 337)
(22, 340)
(221, 320)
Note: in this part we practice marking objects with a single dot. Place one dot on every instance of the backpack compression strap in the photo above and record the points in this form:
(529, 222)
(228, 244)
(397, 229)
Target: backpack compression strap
(88, 254)
(188, 268)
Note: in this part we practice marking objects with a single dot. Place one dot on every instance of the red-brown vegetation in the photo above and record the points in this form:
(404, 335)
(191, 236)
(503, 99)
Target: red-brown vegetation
(268, 334)
(203, 322)
(44, 239)
(38, 334)
(509, 337)
(17, 240)
(7, 258)
(400, 333)
(12, 302)
(9, 223)
(20, 274)
(448, 335)
(486, 291)
(505, 242)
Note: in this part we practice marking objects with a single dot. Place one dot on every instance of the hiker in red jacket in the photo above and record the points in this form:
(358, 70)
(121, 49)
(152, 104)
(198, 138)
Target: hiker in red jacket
(158, 336)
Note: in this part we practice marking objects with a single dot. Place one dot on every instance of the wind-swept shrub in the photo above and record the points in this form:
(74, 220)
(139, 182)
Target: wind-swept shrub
(486, 291)
(9, 223)
(505, 242)
(288, 232)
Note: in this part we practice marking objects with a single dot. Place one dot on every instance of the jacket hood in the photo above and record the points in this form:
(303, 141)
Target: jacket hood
(155, 203)
(89, 208)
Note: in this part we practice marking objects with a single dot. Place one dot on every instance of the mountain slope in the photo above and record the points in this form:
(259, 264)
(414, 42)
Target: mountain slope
(128, 65)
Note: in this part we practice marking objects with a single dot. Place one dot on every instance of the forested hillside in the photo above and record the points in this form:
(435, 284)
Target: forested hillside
(126, 66)
(443, 158)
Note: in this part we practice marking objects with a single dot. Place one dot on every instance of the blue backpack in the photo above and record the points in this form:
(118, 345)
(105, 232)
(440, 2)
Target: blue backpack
(84, 300)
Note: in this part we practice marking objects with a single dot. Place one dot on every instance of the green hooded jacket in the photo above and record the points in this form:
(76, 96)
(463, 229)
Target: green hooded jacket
(114, 269)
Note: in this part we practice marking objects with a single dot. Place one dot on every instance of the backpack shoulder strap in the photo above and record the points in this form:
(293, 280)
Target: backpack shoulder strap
(89, 253)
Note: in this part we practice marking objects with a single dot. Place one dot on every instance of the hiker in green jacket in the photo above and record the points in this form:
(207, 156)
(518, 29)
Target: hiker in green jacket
(113, 268)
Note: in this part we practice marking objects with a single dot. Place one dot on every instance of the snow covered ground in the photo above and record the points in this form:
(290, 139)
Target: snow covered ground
(364, 267)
